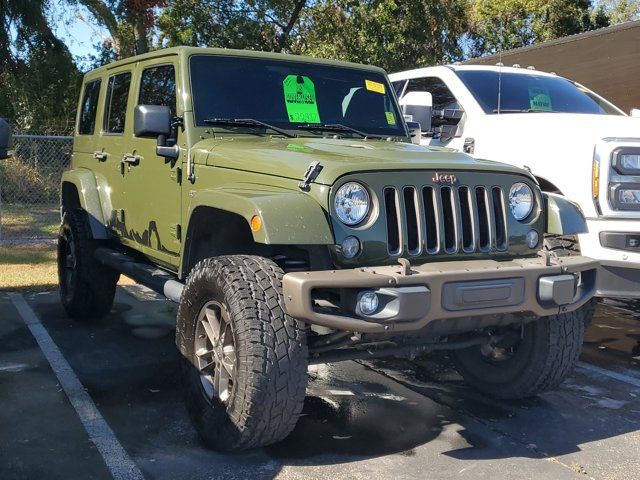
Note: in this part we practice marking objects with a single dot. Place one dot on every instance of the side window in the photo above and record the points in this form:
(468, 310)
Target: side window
(88, 108)
(158, 87)
(443, 99)
(398, 86)
(116, 103)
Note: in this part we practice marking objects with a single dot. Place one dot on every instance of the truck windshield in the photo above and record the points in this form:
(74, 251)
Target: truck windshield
(293, 95)
(521, 93)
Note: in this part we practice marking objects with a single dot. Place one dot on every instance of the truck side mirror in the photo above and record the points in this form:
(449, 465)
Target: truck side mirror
(635, 112)
(155, 121)
(151, 120)
(417, 106)
(5, 139)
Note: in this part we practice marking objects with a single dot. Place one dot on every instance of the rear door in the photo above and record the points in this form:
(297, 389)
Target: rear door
(153, 182)
(112, 145)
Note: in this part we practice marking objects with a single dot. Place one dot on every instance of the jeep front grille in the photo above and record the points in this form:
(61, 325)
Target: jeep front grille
(444, 219)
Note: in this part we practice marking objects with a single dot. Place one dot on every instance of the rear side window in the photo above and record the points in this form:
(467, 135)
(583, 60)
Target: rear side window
(158, 87)
(89, 108)
(116, 103)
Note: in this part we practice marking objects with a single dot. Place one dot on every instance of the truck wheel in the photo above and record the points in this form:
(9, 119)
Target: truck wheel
(244, 360)
(524, 363)
(87, 288)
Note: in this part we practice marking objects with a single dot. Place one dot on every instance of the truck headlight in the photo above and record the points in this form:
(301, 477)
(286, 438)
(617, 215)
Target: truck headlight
(626, 196)
(626, 160)
(520, 200)
(352, 203)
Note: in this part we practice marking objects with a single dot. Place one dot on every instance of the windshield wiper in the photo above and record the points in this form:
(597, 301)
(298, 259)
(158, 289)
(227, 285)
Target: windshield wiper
(520, 110)
(247, 122)
(336, 127)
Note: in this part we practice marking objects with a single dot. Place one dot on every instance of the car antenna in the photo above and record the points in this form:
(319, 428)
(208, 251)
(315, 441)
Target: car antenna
(500, 64)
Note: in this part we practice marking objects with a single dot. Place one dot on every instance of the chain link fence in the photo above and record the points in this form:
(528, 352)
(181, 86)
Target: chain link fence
(30, 184)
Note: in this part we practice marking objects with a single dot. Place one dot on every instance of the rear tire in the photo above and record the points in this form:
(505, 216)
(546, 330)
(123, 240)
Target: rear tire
(538, 362)
(87, 288)
(244, 364)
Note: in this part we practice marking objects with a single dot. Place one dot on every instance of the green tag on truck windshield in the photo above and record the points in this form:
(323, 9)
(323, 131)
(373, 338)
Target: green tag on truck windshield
(300, 99)
(539, 99)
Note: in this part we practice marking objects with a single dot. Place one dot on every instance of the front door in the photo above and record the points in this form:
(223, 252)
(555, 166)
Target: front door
(153, 182)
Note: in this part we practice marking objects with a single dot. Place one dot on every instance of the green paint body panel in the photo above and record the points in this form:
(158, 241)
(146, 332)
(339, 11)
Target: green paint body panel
(148, 205)
(564, 217)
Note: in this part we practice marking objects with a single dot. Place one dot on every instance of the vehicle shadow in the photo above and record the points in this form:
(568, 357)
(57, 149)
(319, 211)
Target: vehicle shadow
(353, 411)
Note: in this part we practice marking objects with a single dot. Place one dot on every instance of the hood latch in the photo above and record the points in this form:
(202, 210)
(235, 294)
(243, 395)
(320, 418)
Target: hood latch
(313, 170)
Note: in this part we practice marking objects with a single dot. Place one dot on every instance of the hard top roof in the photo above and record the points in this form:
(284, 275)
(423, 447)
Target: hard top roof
(189, 51)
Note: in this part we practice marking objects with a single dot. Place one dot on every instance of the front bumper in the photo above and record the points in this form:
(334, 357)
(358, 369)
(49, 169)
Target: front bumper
(411, 297)
(609, 241)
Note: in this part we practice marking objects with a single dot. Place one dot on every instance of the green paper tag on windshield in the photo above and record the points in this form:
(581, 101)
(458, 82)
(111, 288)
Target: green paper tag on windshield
(300, 99)
(391, 118)
(539, 99)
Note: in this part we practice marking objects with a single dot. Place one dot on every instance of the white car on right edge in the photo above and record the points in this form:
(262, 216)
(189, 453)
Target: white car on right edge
(575, 142)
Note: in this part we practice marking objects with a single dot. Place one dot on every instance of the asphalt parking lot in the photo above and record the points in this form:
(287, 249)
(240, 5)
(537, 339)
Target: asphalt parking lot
(103, 400)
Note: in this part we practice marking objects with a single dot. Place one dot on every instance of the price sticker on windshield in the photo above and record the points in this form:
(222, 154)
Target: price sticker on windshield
(539, 99)
(375, 86)
(300, 99)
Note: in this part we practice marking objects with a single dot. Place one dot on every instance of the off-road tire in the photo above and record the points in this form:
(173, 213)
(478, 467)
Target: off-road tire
(271, 371)
(543, 359)
(562, 245)
(569, 246)
(89, 294)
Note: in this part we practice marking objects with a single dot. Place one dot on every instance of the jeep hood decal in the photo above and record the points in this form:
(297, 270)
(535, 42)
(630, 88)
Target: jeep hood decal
(290, 158)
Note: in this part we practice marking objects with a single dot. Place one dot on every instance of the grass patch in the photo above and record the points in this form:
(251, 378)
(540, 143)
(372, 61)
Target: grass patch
(28, 268)
(28, 221)
(32, 267)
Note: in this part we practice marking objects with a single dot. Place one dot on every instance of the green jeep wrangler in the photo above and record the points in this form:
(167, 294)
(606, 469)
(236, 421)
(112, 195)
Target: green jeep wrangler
(281, 202)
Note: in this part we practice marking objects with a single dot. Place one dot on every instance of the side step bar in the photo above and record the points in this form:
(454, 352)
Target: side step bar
(156, 279)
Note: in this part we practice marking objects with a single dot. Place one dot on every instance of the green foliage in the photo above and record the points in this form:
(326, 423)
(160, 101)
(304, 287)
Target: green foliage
(506, 24)
(620, 11)
(38, 79)
(255, 24)
(394, 34)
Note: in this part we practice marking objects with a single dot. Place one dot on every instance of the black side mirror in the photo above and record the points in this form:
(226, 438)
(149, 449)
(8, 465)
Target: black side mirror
(6, 142)
(156, 121)
(151, 120)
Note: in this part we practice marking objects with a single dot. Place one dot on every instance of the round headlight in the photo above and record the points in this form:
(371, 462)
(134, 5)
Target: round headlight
(352, 203)
(520, 200)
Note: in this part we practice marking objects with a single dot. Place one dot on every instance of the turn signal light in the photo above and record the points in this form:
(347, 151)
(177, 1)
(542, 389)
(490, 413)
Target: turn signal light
(256, 223)
(595, 187)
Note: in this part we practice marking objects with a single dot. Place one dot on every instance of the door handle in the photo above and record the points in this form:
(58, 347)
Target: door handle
(131, 159)
(100, 156)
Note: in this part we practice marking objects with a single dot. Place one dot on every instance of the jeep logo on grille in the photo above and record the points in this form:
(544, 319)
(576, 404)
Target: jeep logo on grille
(444, 178)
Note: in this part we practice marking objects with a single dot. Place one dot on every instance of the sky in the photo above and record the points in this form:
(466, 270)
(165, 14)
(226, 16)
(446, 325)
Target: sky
(76, 28)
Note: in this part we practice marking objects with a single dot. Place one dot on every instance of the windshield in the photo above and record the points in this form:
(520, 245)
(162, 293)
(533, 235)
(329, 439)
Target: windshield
(293, 95)
(532, 93)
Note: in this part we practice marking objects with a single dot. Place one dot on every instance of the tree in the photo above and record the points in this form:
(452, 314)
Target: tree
(504, 24)
(620, 11)
(394, 34)
(38, 79)
(130, 23)
(255, 24)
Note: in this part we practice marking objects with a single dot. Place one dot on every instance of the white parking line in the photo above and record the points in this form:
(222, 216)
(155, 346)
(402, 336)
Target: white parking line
(121, 466)
(608, 373)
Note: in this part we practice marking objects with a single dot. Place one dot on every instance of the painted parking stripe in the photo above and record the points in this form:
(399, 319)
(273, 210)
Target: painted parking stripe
(121, 466)
(611, 374)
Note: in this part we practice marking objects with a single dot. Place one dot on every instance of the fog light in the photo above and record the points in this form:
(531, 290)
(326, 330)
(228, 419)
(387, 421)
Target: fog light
(350, 247)
(368, 303)
(532, 239)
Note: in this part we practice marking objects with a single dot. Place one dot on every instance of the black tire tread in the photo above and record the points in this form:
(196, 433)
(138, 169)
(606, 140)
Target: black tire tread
(557, 345)
(271, 346)
(96, 283)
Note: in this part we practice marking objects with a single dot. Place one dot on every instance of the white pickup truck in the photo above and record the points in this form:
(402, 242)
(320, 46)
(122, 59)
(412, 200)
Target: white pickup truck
(575, 142)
